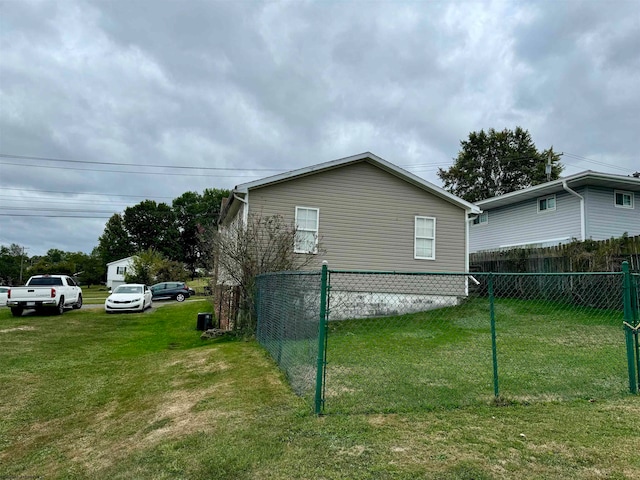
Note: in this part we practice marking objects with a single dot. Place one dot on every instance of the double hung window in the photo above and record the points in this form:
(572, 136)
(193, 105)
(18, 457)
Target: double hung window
(307, 220)
(425, 238)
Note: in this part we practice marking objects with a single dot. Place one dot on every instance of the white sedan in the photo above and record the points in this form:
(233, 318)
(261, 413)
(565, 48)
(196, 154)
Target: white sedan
(129, 297)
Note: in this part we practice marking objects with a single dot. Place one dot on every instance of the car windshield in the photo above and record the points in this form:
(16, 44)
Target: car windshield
(129, 289)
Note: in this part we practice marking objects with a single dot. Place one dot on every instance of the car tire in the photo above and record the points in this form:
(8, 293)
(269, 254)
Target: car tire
(16, 311)
(180, 297)
(78, 304)
(60, 307)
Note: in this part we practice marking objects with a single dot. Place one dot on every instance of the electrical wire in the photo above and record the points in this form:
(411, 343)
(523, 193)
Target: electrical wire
(181, 167)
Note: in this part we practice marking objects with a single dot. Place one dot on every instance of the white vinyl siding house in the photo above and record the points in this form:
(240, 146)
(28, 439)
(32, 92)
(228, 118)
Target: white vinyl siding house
(579, 207)
(116, 271)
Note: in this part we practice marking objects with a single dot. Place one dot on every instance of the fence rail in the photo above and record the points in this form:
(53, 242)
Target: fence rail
(391, 342)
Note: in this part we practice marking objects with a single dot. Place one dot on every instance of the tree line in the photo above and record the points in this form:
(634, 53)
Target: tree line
(170, 235)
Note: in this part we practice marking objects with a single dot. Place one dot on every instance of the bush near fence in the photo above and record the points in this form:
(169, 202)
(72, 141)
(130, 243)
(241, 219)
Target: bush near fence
(577, 256)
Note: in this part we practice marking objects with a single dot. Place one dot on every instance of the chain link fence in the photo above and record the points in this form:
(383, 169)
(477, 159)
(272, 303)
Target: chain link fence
(400, 342)
(288, 308)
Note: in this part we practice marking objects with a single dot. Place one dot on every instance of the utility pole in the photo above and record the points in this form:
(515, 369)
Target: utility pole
(21, 264)
(547, 168)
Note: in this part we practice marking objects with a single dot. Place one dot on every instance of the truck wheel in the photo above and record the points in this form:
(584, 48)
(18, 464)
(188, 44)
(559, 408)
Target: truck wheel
(60, 307)
(78, 304)
(16, 311)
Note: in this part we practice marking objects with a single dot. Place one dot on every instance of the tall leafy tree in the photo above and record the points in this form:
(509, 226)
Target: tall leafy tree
(114, 243)
(196, 213)
(13, 261)
(152, 225)
(497, 162)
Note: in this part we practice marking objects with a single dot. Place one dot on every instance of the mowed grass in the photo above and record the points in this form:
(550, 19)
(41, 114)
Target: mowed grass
(136, 396)
(443, 358)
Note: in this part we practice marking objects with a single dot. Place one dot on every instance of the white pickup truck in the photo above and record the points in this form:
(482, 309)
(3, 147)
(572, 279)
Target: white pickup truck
(45, 291)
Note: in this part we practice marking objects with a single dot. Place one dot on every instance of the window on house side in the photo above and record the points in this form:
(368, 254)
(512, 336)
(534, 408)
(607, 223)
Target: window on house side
(546, 203)
(307, 220)
(623, 199)
(481, 219)
(425, 238)
(121, 270)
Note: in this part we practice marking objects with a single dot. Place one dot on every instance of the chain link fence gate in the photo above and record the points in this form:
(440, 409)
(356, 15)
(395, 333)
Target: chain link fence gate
(398, 342)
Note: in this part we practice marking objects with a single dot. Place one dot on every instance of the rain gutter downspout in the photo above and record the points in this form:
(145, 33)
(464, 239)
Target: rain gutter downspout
(582, 222)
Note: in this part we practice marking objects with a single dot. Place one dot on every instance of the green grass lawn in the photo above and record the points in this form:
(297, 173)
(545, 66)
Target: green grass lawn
(443, 358)
(140, 396)
(95, 294)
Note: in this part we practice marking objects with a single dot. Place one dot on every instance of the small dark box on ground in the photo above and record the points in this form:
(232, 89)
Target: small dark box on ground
(205, 321)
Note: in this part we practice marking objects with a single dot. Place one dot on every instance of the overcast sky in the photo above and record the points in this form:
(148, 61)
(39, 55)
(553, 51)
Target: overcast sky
(257, 88)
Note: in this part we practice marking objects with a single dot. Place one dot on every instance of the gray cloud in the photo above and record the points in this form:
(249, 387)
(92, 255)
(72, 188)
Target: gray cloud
(281, 85)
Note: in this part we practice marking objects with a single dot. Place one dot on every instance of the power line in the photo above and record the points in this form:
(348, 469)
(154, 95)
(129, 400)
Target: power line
(81, 193)
(69, 210)
(7, 200)
(596, 162)
(173, 174)
(51, 216)
(181, 167)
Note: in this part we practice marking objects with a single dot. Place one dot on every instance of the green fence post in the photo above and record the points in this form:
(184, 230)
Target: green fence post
(629, 327)
(494, 348)
(322, 329)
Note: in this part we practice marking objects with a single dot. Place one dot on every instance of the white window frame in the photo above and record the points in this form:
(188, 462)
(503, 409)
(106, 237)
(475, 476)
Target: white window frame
(121, 270)
(416, 238)
(315, 231)
(547, 198)
(481, 219)
(622, 192)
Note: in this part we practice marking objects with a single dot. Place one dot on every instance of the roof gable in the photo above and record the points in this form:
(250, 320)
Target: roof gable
(363, 157)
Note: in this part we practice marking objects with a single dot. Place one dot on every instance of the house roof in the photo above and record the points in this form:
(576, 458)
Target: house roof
(240, 190)
(120, 261)
(588, 177)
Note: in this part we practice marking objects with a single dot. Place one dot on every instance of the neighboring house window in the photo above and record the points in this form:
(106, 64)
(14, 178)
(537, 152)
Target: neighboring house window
(306, 230)
(121, 270)
(623, 199)
(425, 238)
(546, 203)
(481, 219)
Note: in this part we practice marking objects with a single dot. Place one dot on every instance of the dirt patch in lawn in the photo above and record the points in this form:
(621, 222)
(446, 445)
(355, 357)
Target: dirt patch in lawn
(25, 328)
(114, 435)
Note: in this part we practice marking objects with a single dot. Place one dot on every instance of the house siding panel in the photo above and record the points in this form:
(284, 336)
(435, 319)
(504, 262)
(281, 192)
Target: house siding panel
(521, 223)
(604, 220)
(367, 218)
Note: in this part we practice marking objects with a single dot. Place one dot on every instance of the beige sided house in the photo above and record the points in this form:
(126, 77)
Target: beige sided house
(367, 214)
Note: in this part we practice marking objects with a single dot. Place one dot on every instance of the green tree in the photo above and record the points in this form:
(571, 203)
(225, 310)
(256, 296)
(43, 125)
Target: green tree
(144, 267)
(150, 266)
(13, 262)
(152, 225)
(494, 163)
(114, 243)
(196, 213)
